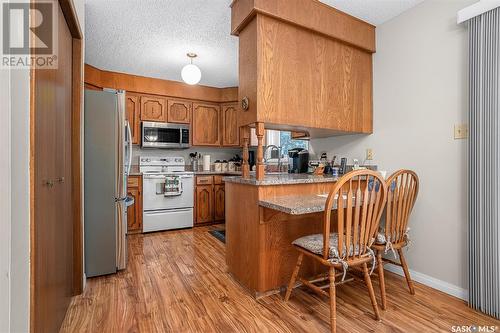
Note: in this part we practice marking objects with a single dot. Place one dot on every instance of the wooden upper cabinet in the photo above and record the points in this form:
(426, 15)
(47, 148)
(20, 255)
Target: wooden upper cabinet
(153, 109)
(206, 124)
(179, 111)
(230, 129)
(133, 110)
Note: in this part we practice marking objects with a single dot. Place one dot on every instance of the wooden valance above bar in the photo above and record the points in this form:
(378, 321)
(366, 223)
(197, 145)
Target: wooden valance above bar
(309, 14)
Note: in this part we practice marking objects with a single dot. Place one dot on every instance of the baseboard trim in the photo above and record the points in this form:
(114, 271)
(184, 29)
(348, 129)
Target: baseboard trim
(430, 281)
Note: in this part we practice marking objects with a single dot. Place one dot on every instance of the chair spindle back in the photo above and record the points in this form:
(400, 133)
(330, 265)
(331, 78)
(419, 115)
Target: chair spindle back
(402, 191)
(359, 198)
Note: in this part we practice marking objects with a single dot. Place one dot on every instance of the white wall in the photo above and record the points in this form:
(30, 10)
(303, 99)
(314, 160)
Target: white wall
(20, 205)
(5, 199)
(420, 92)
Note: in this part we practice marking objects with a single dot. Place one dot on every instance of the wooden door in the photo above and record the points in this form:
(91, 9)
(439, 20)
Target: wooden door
(153, 109)
(133, 116)
(230, 129)
(52, 196)
(134, 212)
(206, 124)
(219, 202)
(204, 204)
(179, 111)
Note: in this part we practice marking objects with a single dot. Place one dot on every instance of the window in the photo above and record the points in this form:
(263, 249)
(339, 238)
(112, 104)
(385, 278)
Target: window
(287, 143)
(284, 140)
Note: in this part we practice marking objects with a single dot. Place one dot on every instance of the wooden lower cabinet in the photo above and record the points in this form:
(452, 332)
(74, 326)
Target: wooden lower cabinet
(219, 202)
(210, 200)
(204, 204)
(134, 212)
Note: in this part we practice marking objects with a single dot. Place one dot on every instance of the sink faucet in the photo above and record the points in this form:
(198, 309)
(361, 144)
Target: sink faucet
(273, 147)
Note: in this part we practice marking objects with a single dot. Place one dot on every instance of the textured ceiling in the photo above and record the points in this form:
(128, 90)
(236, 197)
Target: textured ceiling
(151, 37)
(375, 12)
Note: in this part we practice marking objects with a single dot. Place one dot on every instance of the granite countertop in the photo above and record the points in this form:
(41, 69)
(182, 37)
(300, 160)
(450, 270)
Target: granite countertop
(282, 179)
(134, 171)
(231, 173)
(299, 204)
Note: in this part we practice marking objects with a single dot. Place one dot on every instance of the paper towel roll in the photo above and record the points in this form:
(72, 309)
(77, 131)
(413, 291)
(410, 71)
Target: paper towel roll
(206, 162)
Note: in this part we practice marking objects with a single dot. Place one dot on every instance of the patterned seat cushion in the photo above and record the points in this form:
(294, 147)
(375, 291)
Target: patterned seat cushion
(314, 244)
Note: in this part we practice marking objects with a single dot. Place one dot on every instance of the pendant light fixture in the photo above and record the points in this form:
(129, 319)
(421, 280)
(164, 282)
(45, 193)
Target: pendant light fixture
(191, 74)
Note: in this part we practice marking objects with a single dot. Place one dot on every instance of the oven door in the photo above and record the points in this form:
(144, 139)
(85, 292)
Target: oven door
(160, 193)
(163, 135)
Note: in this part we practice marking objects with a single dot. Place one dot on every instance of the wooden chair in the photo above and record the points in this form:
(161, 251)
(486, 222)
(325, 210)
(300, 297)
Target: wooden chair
(359, 198)
(402, 191)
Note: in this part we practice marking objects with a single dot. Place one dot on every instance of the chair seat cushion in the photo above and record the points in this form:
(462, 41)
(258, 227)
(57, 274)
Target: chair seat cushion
(314, 244)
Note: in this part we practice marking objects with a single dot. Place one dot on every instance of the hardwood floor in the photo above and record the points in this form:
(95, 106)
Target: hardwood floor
(177, 282)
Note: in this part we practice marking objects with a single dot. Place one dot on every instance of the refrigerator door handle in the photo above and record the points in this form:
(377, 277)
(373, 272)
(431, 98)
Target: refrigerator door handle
(129, 165)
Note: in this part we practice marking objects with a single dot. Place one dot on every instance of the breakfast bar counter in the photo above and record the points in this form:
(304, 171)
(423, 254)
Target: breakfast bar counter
(263, 218)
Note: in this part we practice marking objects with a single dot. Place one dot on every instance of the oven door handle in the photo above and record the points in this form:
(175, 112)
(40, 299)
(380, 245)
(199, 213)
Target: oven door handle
(162, 212)
(154, 177)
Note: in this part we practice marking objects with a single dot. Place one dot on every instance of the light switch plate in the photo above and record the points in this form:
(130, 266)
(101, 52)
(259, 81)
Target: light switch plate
(369, 154)
(461, 131)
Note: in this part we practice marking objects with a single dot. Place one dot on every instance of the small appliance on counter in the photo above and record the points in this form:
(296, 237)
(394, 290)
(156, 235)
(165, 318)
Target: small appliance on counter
(298, 160)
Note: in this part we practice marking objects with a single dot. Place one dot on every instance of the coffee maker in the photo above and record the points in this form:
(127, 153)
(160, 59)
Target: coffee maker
(298, 160)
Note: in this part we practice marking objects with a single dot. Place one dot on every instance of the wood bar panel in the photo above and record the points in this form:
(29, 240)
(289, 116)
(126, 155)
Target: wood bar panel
(259, 253)
(335, 85)
(311, 15)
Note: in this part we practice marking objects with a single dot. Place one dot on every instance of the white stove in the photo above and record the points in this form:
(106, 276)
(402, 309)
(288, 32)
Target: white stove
(168, 193)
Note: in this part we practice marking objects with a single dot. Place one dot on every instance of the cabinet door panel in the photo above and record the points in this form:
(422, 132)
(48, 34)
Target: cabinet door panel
(206, 124)
(231, 133)
(153, 109)
(204, 204)
(219, 209)
(179, 111)
(133, 116)
(134, 212)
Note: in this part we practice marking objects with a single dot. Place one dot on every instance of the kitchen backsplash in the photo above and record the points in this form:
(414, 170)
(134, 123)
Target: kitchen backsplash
(215, 153)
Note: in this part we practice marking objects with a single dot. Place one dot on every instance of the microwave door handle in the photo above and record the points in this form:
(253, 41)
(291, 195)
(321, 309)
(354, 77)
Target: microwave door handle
(180, 136)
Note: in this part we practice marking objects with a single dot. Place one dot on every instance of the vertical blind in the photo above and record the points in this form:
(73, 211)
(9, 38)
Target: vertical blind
(484, 162)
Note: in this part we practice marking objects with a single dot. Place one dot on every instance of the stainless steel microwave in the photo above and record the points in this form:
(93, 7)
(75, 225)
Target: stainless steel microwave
(165, 135)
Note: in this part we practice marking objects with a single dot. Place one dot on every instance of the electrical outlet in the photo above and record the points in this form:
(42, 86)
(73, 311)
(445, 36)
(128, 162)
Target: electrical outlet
(369, 154)
(461, 131)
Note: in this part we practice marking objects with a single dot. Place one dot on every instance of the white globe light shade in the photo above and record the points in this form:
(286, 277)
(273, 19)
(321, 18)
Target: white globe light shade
(191, 74)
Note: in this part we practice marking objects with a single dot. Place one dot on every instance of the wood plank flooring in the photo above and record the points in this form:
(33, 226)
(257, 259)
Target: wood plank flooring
(177, 282)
